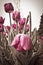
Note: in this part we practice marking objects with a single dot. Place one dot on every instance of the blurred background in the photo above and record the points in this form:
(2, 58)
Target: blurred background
(35, 6)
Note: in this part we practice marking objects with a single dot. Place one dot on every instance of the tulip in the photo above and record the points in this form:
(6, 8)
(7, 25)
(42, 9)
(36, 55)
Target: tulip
(22, 21)
(1, 20)
(16, 16)
(20, 26)
(22, 42)
(13, 26)
(7, 28)
(8, 7)
(1, 28)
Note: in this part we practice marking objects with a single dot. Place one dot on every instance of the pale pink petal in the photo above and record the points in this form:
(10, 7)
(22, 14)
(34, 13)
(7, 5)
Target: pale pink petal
(25, 42)
(16, 40)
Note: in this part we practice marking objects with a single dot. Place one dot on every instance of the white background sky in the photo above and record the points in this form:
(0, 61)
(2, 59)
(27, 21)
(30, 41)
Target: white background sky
(35, 6)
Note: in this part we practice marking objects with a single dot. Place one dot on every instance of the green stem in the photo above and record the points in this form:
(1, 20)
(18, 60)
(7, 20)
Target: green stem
(17, 27)
(0, 36)
(30, 23)
(10, 18)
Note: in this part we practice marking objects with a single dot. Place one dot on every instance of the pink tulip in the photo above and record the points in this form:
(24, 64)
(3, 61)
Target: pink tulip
(1, 28)
(13, 26)
(22, 21)
(7, 28)
(1, 20)
(20, 26)
(21, 42)
(16, 16)
(25, 42)
(27, 28)
(8, 7)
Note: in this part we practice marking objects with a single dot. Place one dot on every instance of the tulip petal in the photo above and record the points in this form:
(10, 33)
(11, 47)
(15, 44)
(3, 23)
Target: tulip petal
(25, 42)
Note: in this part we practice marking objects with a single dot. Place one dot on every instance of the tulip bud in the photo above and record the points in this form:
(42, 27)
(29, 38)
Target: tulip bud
(16, 16)
(8, 7)
(13, 26)
(22, 21)
(7, 28)
(1, 20)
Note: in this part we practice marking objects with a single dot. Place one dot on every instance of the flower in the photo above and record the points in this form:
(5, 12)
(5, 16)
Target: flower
(27, 28)
(1, 28)
(8, 7)
(20, 26)
(13, 26)
(21, 42)
(7, 28)
(1, 20)
(22, 21)
(16, 16)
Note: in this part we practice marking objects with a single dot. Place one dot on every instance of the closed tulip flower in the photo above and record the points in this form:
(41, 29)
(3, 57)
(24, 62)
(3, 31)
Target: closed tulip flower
(1, 20)
(20, 26)
(16, 16)
(21, 42)
(8, 7)
(13, 26)
(22, 21)
(7, 28)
